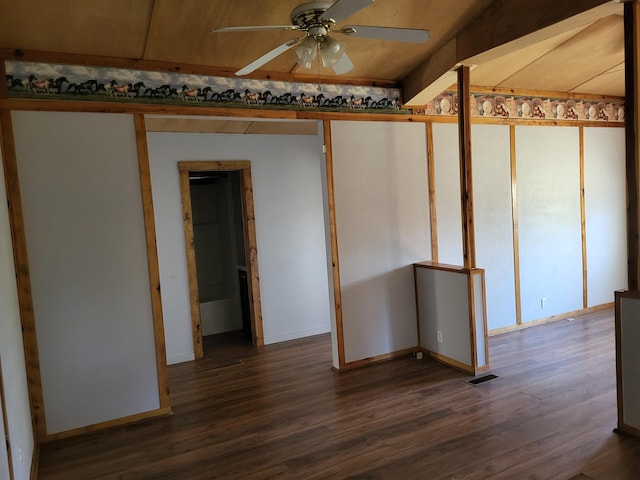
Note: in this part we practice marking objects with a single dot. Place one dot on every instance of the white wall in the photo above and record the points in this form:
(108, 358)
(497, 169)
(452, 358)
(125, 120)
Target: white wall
(288, 199)
(493, 220)
(447, 181)
(88, 263)
(548, 175)
(605, 213)
(382, 221)
(12, 354)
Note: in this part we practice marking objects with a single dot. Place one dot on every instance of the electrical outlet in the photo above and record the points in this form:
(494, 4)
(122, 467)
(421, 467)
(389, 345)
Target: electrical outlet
(543, 302)
(439, 336)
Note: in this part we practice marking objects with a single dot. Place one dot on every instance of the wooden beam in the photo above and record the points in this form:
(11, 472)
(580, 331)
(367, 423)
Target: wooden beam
(504, 27)
(632, 87)
(466, 178)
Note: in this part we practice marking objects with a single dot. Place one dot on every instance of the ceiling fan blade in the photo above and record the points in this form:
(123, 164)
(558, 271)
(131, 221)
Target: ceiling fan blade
(412, 35)
(255, 28)
(270, 55)
(343, 8)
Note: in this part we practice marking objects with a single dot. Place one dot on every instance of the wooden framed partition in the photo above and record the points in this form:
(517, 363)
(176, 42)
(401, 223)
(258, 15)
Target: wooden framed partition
(250, 242)
(452, 315)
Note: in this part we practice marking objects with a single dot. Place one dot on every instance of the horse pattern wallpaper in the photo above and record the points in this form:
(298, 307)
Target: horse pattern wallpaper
(77, 82)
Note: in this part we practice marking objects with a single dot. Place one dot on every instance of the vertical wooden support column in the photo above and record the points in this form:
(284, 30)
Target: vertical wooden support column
(466, 179)
(632, 79)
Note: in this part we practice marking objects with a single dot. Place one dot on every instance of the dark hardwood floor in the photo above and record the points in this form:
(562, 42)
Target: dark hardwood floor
(281, 412)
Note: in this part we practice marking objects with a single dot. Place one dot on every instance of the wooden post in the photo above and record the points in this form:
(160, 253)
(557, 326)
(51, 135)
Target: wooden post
(631, 39)
(466, 178)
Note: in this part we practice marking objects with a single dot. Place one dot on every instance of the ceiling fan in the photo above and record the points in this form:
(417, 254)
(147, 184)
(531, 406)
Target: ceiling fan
(318, 19)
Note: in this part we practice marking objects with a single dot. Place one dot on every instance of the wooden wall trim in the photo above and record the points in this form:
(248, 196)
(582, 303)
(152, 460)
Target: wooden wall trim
(35, 463)
(23, 279)
(251, 245)
(618, 340)
(632, 89)
(138, 417)
(583, 224)
(333, 233)
(466, 175)
(472, 322)
(110, 107)
(152, 260)
(203, 166)
(194, 299)
(551, 319)
(431, 177)
(376, 359)
(514, 220)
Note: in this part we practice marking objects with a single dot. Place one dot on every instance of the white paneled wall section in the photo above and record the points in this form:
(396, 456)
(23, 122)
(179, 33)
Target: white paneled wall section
(382, 220)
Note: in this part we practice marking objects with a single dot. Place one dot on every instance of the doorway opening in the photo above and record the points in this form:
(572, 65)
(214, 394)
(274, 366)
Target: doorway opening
(222, 258)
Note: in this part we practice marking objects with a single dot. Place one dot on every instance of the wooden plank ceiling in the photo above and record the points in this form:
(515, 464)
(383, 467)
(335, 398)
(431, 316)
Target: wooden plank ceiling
(587, 58)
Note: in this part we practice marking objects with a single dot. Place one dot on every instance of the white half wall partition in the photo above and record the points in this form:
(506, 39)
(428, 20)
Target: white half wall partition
(290, 229)
(85, 233)
(550, 238)
(605, 213)
(382, 221)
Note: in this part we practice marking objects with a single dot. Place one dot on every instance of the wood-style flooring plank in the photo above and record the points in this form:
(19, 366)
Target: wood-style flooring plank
(280, 412)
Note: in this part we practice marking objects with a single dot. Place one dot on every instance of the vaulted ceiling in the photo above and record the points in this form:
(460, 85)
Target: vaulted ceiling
(561, 51)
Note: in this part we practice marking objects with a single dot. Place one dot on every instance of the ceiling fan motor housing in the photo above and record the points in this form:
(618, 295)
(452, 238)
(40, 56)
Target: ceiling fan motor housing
(307, 17)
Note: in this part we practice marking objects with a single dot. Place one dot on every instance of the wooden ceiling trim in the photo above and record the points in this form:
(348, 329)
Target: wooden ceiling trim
(505, 27)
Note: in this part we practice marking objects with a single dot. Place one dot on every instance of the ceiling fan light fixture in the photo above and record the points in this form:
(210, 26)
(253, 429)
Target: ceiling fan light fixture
(331, 51)
(307, 52)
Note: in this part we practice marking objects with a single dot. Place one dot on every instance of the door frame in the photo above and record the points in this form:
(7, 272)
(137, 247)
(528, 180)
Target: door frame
(250, 243)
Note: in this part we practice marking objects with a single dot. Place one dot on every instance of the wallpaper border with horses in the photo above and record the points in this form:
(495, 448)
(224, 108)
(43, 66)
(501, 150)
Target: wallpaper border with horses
(528, 107)
(77, 82)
